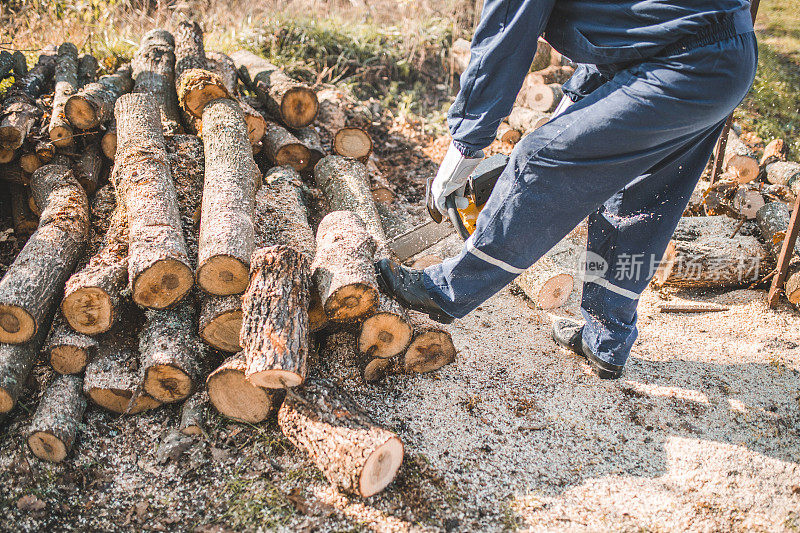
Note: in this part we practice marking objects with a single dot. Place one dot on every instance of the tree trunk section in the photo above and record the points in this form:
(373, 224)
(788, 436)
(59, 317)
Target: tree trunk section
(347, 366)
(354, 454)
(703, 254)
(527, 120)
(309, 137)
(68, 351)
(16, 361)
(93, 105)
(226, 225)
(783, 172)
(172, 357)
(221, 321)
(89, 167)
(158, 266)
(292, 102)
(431, 348)
(154, 74)
(507, 134)
(193, 414)
(66, 78)
(233, 396)
(776, 150)
(343, 269)
(109, 140)
(37, 276)
(55, 423)
(284, 149)
(541, 59)
(274, 334)
(550, 281)
(354, 143)
(112, 379)
(25, 222)
(87, 70)
(773, 221)
(542, 98)
(739, 160)
(19, 111)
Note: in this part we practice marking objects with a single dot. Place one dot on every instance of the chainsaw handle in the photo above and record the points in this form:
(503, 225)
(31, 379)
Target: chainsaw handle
(455, 219)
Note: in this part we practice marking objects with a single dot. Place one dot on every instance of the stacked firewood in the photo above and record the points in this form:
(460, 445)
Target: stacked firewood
(540, 93)
(134, 290)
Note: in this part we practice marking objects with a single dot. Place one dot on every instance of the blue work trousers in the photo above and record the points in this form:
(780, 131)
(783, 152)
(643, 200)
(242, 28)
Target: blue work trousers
(627, 156)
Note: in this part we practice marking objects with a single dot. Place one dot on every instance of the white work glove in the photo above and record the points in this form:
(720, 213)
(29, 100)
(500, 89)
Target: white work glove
(452, 177)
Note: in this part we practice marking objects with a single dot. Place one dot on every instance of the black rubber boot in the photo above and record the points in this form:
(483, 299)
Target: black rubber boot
(569, 334)
(407, 287)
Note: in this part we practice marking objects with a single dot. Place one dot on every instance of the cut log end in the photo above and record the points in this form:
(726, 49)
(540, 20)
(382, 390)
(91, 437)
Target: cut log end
(222, 332)
(351, 302)
(354, 143)
(88, 310)
(81, 113)
(68, 359)
(167, 383)
(296, 156)
(430, 350)
(61, 136)
(16, 324)
(196, 98)
(384, 335)
(223, 275)
(118, 400)
(381, 467)
(47, 446)
(275, 379)
(7, 402)
(237, 398)
(163, 284)
(299, 107)
(556, 291)
(743, 167)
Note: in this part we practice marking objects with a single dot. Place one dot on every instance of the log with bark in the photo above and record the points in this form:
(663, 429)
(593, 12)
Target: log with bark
(342, 268)
(507, 134)
(353, 142)
(67, 350)
(309, 137)
(29, 162)
(7, 155)
(112, 379)
(109, 141)
(274, 334)
(221, 321)
(193, 414)
(234, 396)
(783, 172)
(459, 56)
(354, 453)
(66, 78)
(13, 174)
(347, 366)
(526, 120)
(154, 73)
(33, 282)
(704, 253)
(159, 271)
(87, 70)
(172, 357)
(431, 348)
(20, 110)
(226, 224)
(89, 166)
(776, 150)
(196, 85)
(93, 105)
(294, 103)
(543, 98)
(387, 331)
(16, 361)
(739, 159)
(773, 221)
(548, 75)
(283, 148)
(25, 222)
(55, 423)
(224, 67)
(541, 58)
(6, 63)
(729, 197)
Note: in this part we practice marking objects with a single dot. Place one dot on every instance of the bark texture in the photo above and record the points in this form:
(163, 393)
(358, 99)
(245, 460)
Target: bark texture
(66, 78)
(87, 70)
(33, 282)
(292, 102)
(20, 111)
(783, 172)
(281, 216)
(68, 351)
(193, 414)
(226, 225)
(221, 321)
(25, 222)
(283, 148)
(343, 267)
(309, 137)
(89, 167)
(702, 253)
(233, 396)
(341, 361)
(158, 266)
(154, 74)
(353, 453)
(93, 105)
(16, 361)
(773, 222)
(172, 357)
(55, 423)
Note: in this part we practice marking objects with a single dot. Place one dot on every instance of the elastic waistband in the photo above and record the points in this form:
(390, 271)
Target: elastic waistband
(733, 25)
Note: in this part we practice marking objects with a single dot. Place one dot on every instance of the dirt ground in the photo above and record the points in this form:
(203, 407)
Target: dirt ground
(702, 433)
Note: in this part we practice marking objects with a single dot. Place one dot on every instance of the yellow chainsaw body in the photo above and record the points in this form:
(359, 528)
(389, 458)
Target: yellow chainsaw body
(469, 216)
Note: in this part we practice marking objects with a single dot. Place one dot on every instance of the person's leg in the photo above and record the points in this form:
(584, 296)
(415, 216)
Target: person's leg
(627, 239)
(643, 117)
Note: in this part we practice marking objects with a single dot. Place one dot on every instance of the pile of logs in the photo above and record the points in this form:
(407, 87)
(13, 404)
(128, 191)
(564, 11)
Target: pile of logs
(162, 266)
(540, 93)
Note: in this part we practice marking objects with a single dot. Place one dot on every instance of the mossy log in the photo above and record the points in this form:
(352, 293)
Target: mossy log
(286, 99)
(55, 424)
(234, 396)
(66, 78)
(226, 224)
(355, 454)
(93, 105)
(159, 271)
(33, 282)
(154, 73)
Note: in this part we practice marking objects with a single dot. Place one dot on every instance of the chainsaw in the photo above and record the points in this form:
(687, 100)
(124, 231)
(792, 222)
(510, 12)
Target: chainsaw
(478, 189)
